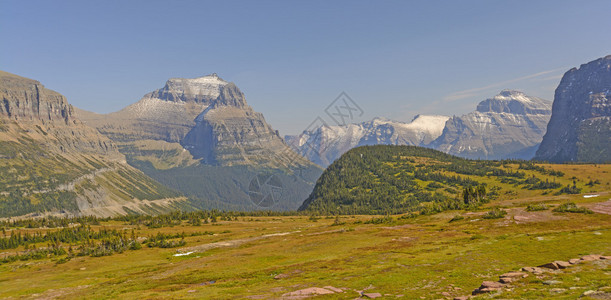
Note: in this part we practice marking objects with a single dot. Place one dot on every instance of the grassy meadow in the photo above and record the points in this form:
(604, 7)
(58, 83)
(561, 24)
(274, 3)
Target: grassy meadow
(437, 256)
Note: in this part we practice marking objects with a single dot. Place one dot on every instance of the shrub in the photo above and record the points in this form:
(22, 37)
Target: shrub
(536, 207)
(383, 220)
(572, 208)
(457, 218)
(496, 213)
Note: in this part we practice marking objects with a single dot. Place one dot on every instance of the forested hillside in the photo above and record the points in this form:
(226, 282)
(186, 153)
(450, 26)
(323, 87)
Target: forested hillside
(396, 179)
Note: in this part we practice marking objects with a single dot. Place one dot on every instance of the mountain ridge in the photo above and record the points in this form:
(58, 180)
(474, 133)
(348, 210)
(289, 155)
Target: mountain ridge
(325, 144)
(508, 125)
(52, 163)
(203, 129)
(580, 125)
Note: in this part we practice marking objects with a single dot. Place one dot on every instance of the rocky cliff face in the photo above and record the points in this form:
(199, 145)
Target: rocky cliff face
(580, 126)
(27, 99)
(327, 143)
(199, 90)
(51, 163)
(509, 125)
(165, 114)
(28, 104)
(201, 137)
(230, 132)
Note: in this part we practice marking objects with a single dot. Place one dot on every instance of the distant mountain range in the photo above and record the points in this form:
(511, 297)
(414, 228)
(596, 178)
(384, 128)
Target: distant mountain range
(325, 144)
(508, 125)
(197, 144)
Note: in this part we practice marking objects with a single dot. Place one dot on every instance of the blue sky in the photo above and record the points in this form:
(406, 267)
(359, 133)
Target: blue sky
(292, 58)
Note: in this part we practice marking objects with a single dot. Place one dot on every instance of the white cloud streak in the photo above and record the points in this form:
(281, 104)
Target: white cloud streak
(476, 91)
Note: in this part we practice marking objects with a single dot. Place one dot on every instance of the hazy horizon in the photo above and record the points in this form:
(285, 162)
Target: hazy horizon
(395, 59)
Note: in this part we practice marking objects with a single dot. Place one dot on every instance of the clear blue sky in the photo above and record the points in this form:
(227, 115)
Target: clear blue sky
(291, 58)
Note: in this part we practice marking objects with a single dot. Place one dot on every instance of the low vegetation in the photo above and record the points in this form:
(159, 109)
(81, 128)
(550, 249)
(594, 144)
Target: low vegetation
(268, 254)
(536, 207)
(571, 207)
(386, 179)
(496, 213)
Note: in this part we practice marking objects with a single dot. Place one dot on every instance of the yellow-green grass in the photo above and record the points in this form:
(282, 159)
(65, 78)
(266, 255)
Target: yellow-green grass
(414, 257)
(418, 257)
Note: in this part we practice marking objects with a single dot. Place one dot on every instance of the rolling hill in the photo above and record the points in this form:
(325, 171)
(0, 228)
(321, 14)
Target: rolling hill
(385, 179)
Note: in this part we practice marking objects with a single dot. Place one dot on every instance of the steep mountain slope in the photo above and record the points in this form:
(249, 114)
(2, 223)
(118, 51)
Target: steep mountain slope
(230, 132)
(327, 143)
(580, 126)
(386, 179)
(201, 137)
(508, 125)
(166, 114)
(52, 163)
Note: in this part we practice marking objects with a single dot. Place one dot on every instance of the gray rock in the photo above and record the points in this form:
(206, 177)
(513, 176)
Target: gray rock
(509, 125)
(372, 295)
(534, 270)
(488, 287)
(230, 132)
(574, 261)
(580, 127)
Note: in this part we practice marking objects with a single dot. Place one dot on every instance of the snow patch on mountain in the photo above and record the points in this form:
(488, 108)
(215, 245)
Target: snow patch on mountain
(209, 85)
(324, 144)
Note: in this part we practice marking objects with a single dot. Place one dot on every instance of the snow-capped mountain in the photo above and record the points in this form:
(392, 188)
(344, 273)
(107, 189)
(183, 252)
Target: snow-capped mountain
(508, 125)
(200, 137)
(325, 144)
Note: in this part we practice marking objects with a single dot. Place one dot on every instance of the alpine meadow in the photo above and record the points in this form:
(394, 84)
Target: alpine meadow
(305, 150)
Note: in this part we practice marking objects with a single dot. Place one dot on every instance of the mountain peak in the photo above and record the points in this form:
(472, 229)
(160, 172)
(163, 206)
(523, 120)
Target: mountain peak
(200, 90)
(514, 102)
(511, 93)
(230, 95)
(508, 95)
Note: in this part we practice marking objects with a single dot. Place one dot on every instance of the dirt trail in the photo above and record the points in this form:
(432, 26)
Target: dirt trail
(602, 207)
(231, 243)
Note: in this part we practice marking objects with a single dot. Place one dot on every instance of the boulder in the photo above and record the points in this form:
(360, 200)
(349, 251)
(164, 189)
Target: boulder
(487, 287)
(556, 265)
(534, 270)
(372, 295)
(506, 280)
(514, 274)
(313, 291)
(332, 288)
(551, 265)
(574, 261)
(562, 264)
(590, 257)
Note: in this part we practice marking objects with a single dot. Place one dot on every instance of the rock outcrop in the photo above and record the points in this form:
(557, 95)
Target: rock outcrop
(25, 99)
(166, 114)
(508, 125)
(580, 125)
(230, 132)
(52, 163)
(201, 137)
(49, 118)
(325, 144)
